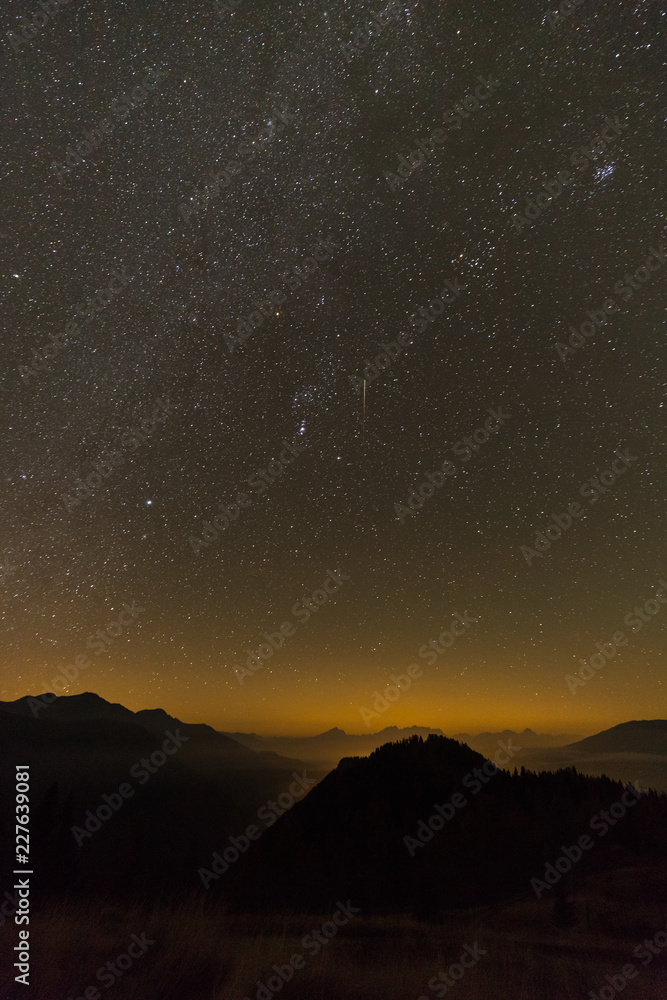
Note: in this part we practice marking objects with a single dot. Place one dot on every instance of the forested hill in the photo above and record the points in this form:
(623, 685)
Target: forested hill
(371, 830)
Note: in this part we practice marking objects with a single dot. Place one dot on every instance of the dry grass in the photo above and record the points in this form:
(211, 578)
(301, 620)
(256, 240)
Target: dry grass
(202, 953)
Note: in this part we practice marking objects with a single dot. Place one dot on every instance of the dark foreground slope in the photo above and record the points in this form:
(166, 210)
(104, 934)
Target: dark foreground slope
(363, 833)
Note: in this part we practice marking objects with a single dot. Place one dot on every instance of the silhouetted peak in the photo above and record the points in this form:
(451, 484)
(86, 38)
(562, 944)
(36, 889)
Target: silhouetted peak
(448, 829)
(86, 705)
(392, 732)
(638, 736)
(433, 749)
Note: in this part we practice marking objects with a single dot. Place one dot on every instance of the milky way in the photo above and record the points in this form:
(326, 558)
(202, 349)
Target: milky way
(204, 154)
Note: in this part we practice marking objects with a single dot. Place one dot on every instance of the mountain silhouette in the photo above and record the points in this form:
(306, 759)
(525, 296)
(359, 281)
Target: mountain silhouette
(183, 803)
(364, 819)
(632, 751)
(327, 749)
(647, 736)
(367, 832)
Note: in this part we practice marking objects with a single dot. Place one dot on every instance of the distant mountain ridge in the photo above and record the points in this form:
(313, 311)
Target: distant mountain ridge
(330, 747)
(638, 736)
(82, 747)
(89, 707)
(631, 751)
(327, 749)
(183, 803)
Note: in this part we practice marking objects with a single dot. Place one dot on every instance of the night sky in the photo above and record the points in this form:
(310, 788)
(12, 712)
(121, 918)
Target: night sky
(258, 136)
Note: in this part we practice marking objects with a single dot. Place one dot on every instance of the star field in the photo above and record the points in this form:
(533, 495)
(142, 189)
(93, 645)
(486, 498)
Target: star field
(198, 86)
